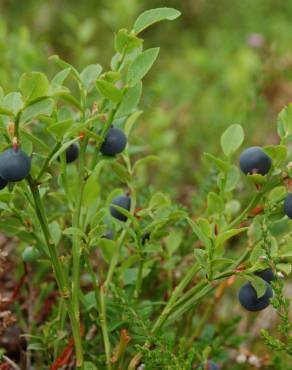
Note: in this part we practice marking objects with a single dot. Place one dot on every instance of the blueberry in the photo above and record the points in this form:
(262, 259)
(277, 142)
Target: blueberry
(14, 165)
(114, 143)
(72, 153)
(3, 183)
(288, 206)
(30, 254)
(266, 274)
(122, 201)
(248, 298)
(254, 159)
(211, 365)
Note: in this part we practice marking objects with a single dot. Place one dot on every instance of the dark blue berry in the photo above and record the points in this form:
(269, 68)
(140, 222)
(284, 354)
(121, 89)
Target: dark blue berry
(211, 365)
(288, 206)
(3, 183)
(122, 201)
(266, 274)
(248, 298)
(72, 153)
(255, 160)
(14, 165)
(114, 143)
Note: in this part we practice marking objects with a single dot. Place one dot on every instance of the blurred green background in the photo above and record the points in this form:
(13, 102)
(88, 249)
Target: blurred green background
(222, 62)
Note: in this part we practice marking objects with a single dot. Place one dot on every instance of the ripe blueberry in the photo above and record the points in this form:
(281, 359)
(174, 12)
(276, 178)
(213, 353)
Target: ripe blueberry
(114, 143)
(288, 206)
(211, 365)
(72, 153)
(30, 254)
(14, 165)
(3, 183)
(266, 274)
(248, 298)
(122, 201)
(255, 160)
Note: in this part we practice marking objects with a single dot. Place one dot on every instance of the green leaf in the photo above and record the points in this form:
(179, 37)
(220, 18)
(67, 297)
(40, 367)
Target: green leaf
(108, 248)
(131, 121)
(219, 163)
(231, 139)
(64, 65)
(278, 193)
(130, 100)
(232, 178)
(201, 257)
(91, 190)
(229, 234)
(215, 204)
(89, 366)
(159, 200)
(61, 76)
(141, 65)
(284, 123)
(258, 283)
(278, 153)
(59, 129)
(55, 232)
(256, 253)
(38, 145)
(205, 226)
(75, 232)
(130, 276)
(199, 233)
(152, 16)
(12, 104)
(41, 108)
(33, 85)
(284, 267)
(109, 91)
(89, 75)
(68, 98)
(257, 178)
(125, 42)
(174, 240)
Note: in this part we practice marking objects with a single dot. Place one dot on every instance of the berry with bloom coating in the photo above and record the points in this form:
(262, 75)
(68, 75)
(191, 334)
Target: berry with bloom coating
(210, 365)
(72, 153)
(114, 143)
(266, 274)
(288, 206)
(248, 297)
(122, 201)
(255, 160)
(14, 165)
(3, 183)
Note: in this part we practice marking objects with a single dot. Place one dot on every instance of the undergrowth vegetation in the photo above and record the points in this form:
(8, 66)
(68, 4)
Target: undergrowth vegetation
(112, 271)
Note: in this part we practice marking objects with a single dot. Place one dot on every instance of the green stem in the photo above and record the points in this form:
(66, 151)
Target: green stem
(100, 304)
(176, 293)
(140, 277)
(57, 267)
(76, 247)
(103, 323)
